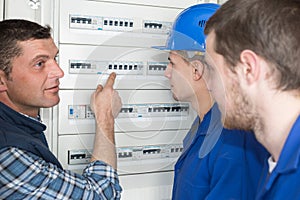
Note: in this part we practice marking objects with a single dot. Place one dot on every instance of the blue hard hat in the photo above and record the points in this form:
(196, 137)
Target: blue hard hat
(188, 29)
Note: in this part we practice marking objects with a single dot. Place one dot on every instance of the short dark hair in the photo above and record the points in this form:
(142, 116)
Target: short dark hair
(13, 31)
(270, 28)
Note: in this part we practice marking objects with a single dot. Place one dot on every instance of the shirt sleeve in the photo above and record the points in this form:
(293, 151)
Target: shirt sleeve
(25, 175)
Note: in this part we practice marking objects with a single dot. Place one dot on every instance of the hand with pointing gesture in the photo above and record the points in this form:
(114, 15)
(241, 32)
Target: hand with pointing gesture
(106, 104)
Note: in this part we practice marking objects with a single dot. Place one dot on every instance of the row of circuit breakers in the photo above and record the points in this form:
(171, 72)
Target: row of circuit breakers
(117, 24)
(134, 110)
(120, 67)
(83, 156)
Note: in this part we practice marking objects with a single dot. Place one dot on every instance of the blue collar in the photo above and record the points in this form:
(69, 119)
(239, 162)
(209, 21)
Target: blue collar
(30, 125)
(290, 154)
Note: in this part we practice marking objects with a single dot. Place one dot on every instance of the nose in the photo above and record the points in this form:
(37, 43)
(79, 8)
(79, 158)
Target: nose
(168, 71)
(56, 71)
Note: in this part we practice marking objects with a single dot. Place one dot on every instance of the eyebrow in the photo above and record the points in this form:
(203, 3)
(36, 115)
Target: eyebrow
(44, 56)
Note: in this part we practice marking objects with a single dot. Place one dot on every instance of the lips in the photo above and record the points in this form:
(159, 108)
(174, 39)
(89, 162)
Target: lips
(53, 89)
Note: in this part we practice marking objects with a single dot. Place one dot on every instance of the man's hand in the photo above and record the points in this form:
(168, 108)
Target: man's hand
(106, 104)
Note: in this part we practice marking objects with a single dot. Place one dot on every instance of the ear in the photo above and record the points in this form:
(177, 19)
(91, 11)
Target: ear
(197, 69)
(3, 80)
(249, 68)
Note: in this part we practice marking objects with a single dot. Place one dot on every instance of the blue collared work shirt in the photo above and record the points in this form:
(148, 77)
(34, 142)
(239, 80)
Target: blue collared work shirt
(218, 163)
(284, 181)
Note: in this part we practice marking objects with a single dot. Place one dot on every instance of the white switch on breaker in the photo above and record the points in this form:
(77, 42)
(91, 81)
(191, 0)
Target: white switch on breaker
(207, 1)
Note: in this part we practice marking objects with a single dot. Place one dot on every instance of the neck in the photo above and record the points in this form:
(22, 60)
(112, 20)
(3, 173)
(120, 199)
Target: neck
(32, 112)
(202, 103)
(277, 116)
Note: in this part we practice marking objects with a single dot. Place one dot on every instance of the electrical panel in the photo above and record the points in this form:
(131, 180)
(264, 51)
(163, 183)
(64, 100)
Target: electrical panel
(96, 38)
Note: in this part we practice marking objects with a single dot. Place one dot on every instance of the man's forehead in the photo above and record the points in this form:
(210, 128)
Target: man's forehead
(173, 54)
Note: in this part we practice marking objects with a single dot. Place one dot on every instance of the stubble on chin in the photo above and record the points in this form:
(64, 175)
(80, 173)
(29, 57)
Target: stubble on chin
(240, 115)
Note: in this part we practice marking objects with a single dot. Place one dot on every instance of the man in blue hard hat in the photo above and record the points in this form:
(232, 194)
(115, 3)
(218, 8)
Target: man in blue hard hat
(216, 163)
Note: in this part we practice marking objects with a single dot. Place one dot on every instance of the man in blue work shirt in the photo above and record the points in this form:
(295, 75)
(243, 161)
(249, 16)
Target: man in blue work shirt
(253, 48)
(216, 163)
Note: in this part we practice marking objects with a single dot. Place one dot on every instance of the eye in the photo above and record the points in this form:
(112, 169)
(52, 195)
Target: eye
(40, 64)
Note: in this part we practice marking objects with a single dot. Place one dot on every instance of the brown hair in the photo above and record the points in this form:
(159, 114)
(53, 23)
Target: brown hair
(16, 30)
(270, 28)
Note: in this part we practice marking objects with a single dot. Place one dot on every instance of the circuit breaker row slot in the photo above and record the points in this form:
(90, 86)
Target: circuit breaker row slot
(156, 27)
(157, 68)
(79, 65)
(148, 152)
(123, 67)
(120, 67)
(100, 23)
(80, 112)
(103, 67)
(134, 110)
(117, 24)
(152, 25)
(81, 20)
(154, 110)
(82, 156)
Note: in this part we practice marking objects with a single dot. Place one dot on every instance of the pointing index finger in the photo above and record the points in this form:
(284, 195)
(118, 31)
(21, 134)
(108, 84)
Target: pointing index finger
(111, 79)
